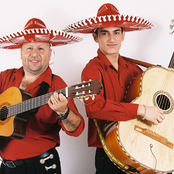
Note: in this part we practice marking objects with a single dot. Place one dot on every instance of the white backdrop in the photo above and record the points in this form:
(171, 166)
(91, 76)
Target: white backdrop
(155, 46)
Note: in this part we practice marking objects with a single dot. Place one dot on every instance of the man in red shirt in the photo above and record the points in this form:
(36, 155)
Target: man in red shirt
(115, 74)
(36, 153)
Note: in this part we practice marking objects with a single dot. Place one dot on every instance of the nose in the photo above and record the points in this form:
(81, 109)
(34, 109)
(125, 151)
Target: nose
(111, 37)
(34, 52)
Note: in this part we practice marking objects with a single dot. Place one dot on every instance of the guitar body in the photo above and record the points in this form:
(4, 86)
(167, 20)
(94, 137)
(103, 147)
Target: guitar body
(13, 126)
(137, 142)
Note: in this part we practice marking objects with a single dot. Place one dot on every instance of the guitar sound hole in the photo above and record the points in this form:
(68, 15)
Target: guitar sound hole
(3, 113)
(163, 102)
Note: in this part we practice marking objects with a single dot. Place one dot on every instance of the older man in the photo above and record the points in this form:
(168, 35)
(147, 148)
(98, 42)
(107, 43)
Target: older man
(35, 151)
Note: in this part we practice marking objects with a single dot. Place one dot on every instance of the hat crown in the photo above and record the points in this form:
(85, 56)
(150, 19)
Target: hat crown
(107, 9)
(34, 23)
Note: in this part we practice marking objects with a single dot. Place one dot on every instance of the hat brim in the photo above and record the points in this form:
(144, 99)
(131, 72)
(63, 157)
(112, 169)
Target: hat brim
(129, 23)
(56, 38)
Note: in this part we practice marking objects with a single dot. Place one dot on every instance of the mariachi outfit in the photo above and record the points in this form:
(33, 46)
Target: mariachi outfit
(36, 152)
(108, 105)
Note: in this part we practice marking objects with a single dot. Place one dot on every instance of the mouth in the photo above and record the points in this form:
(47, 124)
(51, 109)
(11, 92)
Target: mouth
(34, 61)
(112, 45)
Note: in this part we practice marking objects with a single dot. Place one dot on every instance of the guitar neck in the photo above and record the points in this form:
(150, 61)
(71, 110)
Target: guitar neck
(33, 103)
(84, 89)
(171, 64)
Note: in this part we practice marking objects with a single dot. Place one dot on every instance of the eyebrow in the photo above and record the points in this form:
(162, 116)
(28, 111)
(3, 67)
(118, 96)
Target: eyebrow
(104, 31)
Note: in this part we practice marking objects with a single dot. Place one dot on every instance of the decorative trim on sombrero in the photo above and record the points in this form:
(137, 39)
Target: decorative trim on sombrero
(90, 24)
(35, 34)
(108, 15)
(15, 40)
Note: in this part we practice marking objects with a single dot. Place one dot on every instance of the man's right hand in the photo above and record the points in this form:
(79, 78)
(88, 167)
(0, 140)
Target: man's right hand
(150, 113)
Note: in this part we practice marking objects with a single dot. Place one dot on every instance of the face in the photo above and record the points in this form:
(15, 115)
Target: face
(109, 40)
(35, 57)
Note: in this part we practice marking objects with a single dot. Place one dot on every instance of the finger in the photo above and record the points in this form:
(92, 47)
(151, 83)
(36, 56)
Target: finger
(50, 103)
(162, 116)
(55, 95)
(53, 100)
(156, 122)
(61, 97)
(160, 120)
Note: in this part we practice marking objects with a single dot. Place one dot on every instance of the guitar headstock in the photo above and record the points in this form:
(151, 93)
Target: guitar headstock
(85, 89)
(172, 26)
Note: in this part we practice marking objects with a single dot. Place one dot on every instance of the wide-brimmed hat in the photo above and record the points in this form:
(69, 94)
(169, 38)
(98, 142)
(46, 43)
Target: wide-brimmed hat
(108, 15)
(35, 31)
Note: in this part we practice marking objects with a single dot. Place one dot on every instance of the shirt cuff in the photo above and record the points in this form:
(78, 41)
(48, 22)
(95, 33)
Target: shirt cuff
(131, 110)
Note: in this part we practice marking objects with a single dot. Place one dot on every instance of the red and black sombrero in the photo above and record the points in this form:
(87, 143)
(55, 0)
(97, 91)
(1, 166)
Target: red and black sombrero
(35, 31)
(108, 15)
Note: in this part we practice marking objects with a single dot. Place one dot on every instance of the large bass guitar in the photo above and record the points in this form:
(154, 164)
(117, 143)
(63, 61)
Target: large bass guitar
(146, 147)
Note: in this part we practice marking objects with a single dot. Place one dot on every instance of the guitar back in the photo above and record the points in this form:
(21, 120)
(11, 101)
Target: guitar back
(143, 145)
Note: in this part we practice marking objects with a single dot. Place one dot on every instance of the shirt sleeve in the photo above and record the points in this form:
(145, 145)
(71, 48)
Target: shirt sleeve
(80, 128)
(105, 109)
(61, 84)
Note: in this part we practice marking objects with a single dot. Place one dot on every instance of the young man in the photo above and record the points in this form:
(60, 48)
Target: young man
(115, 73)
(36, 153)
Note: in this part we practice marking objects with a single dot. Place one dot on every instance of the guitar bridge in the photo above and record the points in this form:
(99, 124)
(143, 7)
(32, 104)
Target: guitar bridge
(154, 136)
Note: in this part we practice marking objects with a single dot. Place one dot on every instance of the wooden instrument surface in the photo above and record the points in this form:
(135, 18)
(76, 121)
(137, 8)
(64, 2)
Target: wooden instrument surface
(138, 142)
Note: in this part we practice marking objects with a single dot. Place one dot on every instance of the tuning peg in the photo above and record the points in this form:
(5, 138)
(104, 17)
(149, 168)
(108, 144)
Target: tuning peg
(86, 98)
(171, 27)
(80, 98)
(89, 91)
(93, 97)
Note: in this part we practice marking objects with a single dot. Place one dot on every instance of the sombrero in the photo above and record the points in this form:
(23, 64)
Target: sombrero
(35, 31)
(108, 15)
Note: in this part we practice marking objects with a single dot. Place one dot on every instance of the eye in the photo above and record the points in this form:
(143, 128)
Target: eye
(40, 48)
(104, 33)
(117, 32)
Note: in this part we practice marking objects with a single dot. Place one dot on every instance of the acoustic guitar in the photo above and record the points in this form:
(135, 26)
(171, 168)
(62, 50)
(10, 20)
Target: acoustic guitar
(16, 106)
(138, 143)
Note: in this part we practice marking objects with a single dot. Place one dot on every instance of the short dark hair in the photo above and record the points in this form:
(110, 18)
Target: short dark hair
(96, 31)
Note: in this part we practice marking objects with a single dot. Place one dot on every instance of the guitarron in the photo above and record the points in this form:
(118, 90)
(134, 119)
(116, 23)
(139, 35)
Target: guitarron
(146, 147)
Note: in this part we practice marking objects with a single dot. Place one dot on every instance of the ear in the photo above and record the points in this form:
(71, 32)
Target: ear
(21, 52)
(50, 53)
(95, 37)
(123, 35)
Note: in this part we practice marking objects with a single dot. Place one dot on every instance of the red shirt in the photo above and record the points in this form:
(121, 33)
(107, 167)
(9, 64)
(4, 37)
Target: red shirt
(108, 105)
(42, 130)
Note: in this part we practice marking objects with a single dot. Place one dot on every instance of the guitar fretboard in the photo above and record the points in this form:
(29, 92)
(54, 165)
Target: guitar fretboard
(30, 104)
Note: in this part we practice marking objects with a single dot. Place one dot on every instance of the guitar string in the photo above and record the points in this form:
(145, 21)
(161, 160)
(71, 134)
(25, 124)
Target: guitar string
(163, 101)
(25, 105)
(76, 94)
(30, 104)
